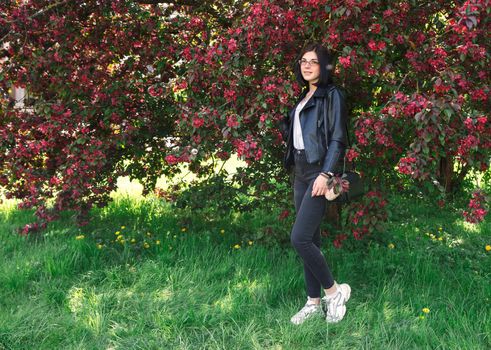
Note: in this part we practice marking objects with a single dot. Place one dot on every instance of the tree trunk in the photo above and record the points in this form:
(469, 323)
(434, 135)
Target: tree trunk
(451, 180)
(445, 173)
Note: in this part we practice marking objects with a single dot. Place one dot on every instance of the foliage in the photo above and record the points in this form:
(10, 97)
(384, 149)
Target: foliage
(199, 79)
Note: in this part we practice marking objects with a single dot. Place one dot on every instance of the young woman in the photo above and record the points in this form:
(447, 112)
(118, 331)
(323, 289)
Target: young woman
(315, 157)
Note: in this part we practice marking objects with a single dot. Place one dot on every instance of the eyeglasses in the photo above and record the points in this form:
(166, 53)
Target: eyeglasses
(304, 62)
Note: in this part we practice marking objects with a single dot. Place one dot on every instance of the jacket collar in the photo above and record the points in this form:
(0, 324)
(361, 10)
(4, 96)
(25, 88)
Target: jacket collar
(320, 92)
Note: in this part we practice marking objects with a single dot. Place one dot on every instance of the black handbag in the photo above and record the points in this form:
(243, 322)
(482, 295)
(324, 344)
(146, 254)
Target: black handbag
(356, 183)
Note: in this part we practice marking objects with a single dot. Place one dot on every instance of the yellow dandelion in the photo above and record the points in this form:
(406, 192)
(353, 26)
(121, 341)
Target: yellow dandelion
(391, 246)
(146, 245)
(440, 229)
(117, 233)
(119, 238)
(184, 229)
(250, 242)
(79, 237)
(100, 246)
(487, 247)
(222, 231)
(237, 246)
(157, 242)
(123, 227)
(426, 310)
(122, 241)
(440, 238)
(133, 241)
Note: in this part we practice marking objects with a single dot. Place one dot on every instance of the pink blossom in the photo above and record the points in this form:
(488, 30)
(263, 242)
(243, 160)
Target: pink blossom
(187, 53)
(405, 165)
(232, 45)
(283, 215)
(374, 46)
(411, 55)
(259, 154)
(357, 234)
(154, 92)
(338, 241)
(232, 121)
(198, 122)
(230, 95)
(375, 28)
(248, 71)
(479, 95)
(441, 88)
(345, 61)
(171, 159)
(352, 154)
(196, 139)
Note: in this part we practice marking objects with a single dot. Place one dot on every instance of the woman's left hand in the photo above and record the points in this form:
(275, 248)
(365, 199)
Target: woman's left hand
(320, 186)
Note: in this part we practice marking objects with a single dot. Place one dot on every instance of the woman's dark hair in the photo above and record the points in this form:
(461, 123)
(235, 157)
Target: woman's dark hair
(325, 64)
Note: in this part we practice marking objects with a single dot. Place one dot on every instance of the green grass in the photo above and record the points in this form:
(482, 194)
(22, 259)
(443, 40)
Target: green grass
(195, 291)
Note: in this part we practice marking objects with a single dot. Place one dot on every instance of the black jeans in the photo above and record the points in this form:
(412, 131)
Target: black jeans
(305, 235)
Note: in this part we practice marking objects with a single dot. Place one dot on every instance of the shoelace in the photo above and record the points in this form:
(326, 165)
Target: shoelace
(335, 302)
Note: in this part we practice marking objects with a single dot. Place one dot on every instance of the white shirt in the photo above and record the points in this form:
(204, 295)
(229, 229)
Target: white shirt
(297, 127)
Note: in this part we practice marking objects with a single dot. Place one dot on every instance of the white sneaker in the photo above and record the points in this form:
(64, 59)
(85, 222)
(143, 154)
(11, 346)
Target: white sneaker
(306, 312)
(334, 305)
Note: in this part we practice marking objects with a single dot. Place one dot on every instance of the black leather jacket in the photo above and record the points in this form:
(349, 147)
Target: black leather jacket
(324, 112)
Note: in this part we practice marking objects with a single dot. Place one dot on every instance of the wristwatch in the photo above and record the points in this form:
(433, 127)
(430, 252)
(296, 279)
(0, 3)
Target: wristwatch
(329, 174)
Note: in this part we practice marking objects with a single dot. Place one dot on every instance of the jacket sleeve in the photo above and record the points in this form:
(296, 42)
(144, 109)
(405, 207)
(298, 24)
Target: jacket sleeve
(337, 138)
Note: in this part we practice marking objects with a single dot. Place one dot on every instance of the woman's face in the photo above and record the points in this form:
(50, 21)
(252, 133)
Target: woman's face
(309, 67)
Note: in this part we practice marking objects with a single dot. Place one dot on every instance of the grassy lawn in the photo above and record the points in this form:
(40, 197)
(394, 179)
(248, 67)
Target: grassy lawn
(143, 275)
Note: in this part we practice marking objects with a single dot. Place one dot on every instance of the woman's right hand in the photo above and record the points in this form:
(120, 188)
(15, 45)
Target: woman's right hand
(319, 187)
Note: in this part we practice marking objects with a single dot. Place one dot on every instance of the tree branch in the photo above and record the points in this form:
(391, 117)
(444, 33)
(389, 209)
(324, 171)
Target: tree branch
(200, 6)
(47, 8)
(181, 2)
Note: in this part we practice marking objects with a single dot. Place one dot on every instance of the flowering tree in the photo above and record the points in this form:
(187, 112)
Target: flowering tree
(416, 79)
(102, 102)
(218, 79)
